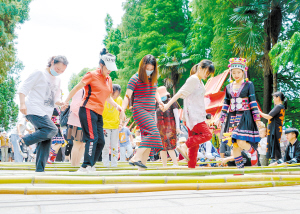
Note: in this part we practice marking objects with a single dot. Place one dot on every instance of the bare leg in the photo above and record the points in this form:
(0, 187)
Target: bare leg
(56, 147)
(236, 151)
(138, 155)
(243, 144)
(173, 156)
(145, 157)
(77, 153)
(163, 155)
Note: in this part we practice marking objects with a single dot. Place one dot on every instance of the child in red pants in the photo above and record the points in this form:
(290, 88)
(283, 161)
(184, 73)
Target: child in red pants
(194, 113)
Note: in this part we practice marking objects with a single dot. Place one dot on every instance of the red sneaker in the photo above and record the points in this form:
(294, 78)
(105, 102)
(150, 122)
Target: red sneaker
(254, 158)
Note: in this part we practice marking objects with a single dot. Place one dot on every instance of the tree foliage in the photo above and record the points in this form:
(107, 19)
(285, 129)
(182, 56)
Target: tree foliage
(8, 108)
(180, 33)
(12, 13)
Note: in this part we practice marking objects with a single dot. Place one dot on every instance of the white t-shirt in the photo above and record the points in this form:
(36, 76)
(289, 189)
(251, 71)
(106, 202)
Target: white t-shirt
(262, 149)
(193, 92)
(22, 123)
(42, 91)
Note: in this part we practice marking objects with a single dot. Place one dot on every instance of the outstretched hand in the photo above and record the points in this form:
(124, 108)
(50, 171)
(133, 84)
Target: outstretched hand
(64, 106)
(219, 124)
(161, 106)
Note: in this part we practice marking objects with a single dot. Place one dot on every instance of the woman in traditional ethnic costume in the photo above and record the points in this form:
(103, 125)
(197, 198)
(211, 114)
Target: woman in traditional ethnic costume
(243, 117)
(193, 92)
(58, 139)
(168, 125)
(276, 118)
(142, 86)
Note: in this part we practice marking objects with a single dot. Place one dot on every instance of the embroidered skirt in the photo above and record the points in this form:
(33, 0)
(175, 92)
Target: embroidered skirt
(242, 126)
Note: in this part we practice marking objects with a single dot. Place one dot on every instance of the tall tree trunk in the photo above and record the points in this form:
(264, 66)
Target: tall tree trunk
(275, 28)
(272, 26)
(174, 89)
(268, 76)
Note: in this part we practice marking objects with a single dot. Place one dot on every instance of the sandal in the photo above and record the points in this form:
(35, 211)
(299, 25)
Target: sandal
(140, 164)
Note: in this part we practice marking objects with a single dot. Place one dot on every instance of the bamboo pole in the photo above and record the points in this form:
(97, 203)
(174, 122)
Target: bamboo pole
(142, 188)
(142, 180)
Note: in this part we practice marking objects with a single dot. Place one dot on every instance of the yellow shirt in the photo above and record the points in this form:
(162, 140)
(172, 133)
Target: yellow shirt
(111, 115)
(4, 141)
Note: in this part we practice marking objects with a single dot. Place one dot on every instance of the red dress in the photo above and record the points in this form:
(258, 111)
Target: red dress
(167, 126)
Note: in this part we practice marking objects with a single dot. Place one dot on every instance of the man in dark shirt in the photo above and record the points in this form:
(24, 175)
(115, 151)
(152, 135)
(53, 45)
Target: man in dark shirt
(292, 152)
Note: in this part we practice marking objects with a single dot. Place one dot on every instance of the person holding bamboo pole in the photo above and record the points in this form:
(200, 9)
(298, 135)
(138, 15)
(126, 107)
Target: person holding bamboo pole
(193, 92)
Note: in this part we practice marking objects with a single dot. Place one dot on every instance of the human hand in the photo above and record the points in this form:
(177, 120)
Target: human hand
(122, 117)
(161, 106)
(23, 109)
(119, 108)
(224, 161)
(219, 124)
(258, 123)
(166, 107)
(178, 131)
(64, 106)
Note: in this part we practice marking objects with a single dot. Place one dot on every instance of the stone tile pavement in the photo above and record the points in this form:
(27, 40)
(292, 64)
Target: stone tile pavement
(266, 200)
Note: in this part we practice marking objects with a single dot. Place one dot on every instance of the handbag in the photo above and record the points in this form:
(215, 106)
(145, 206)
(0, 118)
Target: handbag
(64, 116)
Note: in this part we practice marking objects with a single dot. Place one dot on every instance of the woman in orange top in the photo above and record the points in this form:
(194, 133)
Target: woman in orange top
(98, 88)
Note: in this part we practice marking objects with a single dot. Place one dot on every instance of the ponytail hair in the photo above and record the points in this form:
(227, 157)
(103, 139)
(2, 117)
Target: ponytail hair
(193, 70)
(203, 64)
(282, 97)
(104, 52)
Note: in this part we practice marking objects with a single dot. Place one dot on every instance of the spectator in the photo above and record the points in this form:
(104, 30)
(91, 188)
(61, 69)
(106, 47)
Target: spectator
(4, 147)
(262, 147)
(17, 133)
(126, 141)
(207, 152)
(292, 152)
(182, 149)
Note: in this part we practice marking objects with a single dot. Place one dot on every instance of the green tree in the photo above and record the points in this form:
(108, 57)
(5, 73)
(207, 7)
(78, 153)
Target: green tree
(130, 28)
(76, 78)
(12, 12)
(112, 43)
(261, 24)
(8, 108)
(285, 60)
(171, 63)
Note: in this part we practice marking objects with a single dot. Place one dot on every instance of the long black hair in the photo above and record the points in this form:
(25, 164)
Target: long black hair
(282, 97)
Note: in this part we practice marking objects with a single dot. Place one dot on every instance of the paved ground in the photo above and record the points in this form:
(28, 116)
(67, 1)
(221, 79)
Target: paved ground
(267, 200)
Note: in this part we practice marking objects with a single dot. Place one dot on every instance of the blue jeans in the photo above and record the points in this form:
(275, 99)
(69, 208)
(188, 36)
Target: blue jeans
(17, 155)
(45, 129)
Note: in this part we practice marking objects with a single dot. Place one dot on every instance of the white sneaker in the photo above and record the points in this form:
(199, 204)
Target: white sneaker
(82, 170)
(91, 169)
(24, 155)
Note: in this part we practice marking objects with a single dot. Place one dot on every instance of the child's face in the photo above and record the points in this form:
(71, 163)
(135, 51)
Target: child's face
(137, 133)
(263, 133)
(237, 74)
